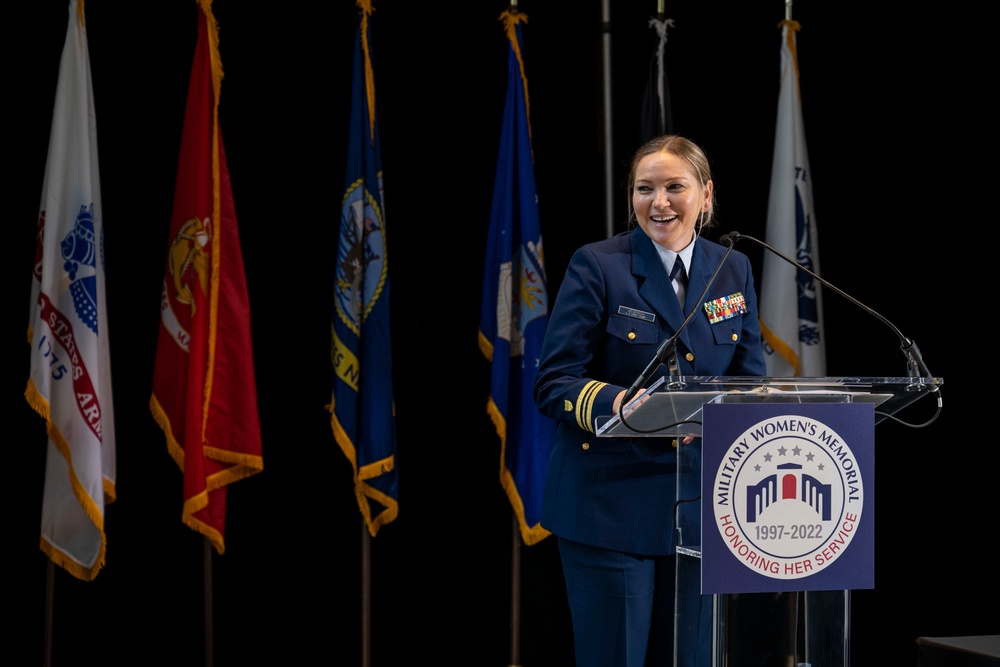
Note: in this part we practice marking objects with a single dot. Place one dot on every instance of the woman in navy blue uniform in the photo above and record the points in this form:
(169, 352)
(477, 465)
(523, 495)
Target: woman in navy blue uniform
(610, 501)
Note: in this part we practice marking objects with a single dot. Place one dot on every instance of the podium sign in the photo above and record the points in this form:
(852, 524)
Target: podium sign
(787, 497)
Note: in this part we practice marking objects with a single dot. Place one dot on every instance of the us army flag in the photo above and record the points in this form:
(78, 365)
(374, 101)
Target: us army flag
(70, 379)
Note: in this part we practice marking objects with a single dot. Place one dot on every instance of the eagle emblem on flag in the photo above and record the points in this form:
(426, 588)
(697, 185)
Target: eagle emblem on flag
(79, 254)
(361, 265)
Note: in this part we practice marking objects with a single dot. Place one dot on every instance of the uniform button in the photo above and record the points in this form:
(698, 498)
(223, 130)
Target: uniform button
(585, 446)
(567, 406)
(674, 443)
(735, 337)
(689, 356)
(631, 335)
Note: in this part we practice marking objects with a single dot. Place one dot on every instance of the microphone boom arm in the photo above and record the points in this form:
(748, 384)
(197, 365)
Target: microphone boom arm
(914, 360)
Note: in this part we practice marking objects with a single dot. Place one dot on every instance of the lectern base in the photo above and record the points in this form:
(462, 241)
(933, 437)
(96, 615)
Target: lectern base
(790, 629)
(796, 629)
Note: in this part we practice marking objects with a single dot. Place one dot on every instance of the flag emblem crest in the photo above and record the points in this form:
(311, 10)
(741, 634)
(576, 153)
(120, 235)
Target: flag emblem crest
(361, 265)
(519, 305)
(79, 252)
(808, 299)
(188, 259)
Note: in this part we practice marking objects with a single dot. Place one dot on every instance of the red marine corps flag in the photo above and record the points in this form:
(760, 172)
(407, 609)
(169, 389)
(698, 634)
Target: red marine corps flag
(204, 391)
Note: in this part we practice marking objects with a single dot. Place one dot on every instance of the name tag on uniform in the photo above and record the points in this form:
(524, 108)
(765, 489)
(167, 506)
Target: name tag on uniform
(638, 314)
(725, 307)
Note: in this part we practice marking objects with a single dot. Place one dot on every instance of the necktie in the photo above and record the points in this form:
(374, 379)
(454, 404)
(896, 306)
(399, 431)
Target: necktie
(680, 275)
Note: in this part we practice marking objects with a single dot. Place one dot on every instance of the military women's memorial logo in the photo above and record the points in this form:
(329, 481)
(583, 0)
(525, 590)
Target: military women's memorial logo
(788, 495)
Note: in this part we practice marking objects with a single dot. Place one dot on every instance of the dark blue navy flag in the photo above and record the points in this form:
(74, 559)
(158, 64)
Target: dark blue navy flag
(515, 304)
(363, 420)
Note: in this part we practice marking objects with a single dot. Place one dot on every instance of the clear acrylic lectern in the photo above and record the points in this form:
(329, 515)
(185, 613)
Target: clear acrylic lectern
(809, 628)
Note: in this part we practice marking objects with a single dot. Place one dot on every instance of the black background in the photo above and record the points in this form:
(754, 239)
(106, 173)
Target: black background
(900, 121)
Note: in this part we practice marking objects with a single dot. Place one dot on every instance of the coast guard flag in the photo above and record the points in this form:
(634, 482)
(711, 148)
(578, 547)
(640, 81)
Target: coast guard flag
(204, 392)
(657, 113)
(791, 310)
(515, 307)
(70, 379)
(363, 413)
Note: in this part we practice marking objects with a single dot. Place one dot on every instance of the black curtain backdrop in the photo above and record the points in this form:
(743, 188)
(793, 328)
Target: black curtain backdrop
(900, 118)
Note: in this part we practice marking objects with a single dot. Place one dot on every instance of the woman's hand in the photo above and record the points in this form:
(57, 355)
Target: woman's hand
(616, 406)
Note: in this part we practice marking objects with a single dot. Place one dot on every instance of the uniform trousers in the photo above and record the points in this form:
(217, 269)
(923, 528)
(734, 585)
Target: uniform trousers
(623, 609)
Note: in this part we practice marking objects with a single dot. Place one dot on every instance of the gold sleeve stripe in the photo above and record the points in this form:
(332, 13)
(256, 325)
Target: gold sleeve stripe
(585, 404)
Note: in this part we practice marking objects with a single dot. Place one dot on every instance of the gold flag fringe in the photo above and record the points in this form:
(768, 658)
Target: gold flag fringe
(363, 491)
(793, 27)
(486, 347)
(40, 405)
(366, 11)
(510, 20)
(530, 534)
(217, 74)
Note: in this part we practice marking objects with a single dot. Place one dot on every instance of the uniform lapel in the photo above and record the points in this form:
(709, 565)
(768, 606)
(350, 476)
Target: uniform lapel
(698, 275)
(654, 284)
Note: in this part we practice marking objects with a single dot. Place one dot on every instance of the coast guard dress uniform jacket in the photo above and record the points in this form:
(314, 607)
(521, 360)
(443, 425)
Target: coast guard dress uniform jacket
(614, 307)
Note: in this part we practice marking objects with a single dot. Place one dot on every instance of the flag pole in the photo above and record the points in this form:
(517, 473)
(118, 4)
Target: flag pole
(209, 616)
(361, 406)
(366, 595)
(788, 10)
(515, 593)
(50, 585)
(609, 163)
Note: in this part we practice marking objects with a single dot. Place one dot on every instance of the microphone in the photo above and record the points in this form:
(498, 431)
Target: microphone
(668, 346)
(915, 366)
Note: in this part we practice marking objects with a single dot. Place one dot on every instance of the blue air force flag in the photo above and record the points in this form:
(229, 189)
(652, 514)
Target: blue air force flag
(515, 305)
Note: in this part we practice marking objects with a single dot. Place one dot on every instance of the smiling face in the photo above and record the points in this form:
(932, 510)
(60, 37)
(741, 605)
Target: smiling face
(668, 198)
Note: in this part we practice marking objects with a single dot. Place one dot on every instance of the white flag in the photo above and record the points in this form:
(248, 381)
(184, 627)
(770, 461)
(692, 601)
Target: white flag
(70, 381)
(791, 305)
